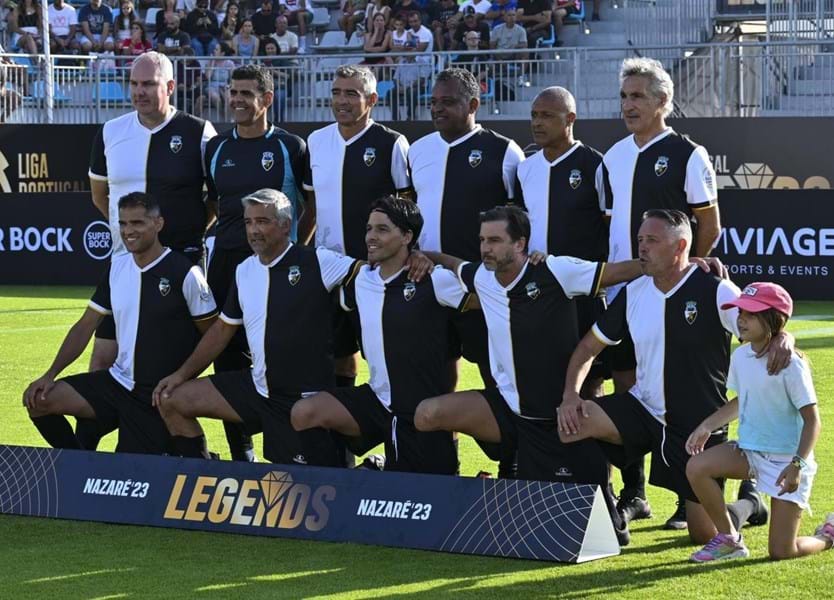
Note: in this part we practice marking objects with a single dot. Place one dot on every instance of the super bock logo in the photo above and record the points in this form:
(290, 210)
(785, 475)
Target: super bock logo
(575, 178)
(661, 165)
(369, 157)
(532, 290)
(164, 286)
(267, 160)
(175, 144)
(690, 312)
(408, 291)
(294, 275)
(475, 158)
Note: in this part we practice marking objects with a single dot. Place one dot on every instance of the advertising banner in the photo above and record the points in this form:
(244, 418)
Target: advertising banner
(492, 517)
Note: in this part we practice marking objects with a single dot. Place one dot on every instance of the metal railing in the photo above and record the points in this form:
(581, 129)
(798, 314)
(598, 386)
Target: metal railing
(668, 22)
(738, 79)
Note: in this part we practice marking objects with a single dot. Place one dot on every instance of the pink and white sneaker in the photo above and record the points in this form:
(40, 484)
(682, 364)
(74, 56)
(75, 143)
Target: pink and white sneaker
(826, 530)
(721, 547)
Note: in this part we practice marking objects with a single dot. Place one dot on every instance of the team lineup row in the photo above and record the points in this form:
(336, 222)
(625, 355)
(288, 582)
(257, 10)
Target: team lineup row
(412, 322)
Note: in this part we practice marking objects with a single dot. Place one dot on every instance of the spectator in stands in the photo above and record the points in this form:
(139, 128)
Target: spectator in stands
(535, 16)
(27, 27)
(217, 75)
(353, 13)
(297, 14)
(472, 23)
(481, 8)
(263, 21)
(287, 41)
(377, 7)
(168, 7)
(399, 35)
(96, 21)
(442, 15)
(495, 16)
(172, 40)
(63, 22)
(411, 73)
(509, 36)
(377, 42)
(280, 78)
(124, 20)
(477, 64)
(403, 8)
(563, 8)
(420, 39)
(231, 23)
(137, 44)
(201, 24)
(189, 78)
(9, 97)
(246, 43)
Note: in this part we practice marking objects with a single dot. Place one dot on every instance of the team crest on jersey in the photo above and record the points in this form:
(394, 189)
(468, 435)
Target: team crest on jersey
(661, 165)
(475, 158)
(294, 275)
(267, 160)
(691, 311)
(175, 144)
(532, 290)
(575, 178)
(408, 291)
(370, 156)
(164, 286)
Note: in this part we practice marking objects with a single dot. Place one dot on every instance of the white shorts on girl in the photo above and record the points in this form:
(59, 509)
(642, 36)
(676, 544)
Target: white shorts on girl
(766, 467)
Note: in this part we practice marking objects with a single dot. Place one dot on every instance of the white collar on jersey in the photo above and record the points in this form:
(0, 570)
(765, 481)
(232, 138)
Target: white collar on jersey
(276, 260)
(515, 281)
(375, 270)
(678, 285)
(156, 261)
(270, 130)
(654, 140)
(462, 138)
(356, 137)
(576, 144)
(171, 112)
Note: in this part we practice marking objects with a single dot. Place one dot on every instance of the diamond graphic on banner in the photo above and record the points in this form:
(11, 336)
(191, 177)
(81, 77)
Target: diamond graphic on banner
(274, 485)
(753, 176)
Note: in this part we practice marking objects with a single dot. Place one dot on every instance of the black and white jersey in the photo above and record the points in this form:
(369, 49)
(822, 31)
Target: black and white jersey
(404, 332)
(166, 162)
(681, 341)
(532, 328)
(347, 176)
(670, 171)
(239, 166)
(154, 308)
(565, 200)
(285, 307)
(457, 181)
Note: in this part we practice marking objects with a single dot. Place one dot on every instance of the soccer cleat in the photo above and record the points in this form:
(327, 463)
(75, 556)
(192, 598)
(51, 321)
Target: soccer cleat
(678, 520)
(747, 491)
(634, 508)
(484, 475)
(826, 530)
(721, 547)
(623, 535)
(373, 462)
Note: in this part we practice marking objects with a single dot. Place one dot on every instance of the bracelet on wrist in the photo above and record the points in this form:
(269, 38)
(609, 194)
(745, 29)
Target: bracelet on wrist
(799, 462)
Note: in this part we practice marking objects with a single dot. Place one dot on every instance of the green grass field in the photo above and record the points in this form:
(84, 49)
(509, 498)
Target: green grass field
(63, 559)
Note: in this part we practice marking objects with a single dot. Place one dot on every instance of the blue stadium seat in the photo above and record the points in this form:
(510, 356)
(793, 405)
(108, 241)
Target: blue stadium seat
(38, 92)
(111, 92)
(577, 17)
(383, 88)
(548, 41)
(490, 91)
(426, 96)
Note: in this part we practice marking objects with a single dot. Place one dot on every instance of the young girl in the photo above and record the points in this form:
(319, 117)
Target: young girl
(125, 20)
(778, 427)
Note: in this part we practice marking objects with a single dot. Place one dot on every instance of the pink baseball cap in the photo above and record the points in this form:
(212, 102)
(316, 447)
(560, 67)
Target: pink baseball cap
(760, 296)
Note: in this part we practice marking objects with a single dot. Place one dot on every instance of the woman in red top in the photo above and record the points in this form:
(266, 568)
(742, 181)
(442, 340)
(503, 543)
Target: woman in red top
(137, 44)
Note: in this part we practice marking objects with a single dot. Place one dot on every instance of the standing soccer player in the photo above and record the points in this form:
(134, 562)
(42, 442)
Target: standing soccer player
(670, 172)
(253, 155)
(160, 304)
(154, 149)
(353, 162)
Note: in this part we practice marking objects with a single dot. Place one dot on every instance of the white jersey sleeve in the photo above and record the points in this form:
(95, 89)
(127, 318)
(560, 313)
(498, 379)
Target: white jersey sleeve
(448, 288)
(727, 292)
(334, 267)
(399, 164)
(512, 157)
(700, 183)
(198, 296)
(576, 276)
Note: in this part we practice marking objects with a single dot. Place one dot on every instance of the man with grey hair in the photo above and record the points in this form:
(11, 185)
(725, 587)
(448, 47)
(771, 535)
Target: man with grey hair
(353, 162)
(669, 171)
(155, 149)
(280, 295)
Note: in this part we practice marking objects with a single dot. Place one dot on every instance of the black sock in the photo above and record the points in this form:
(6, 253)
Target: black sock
(190, 447)
(634, 480)
(345, 381)
(456, 442)
(240, 444)
(507, 467)
(56, 430)
(88, 432)
(740, 511)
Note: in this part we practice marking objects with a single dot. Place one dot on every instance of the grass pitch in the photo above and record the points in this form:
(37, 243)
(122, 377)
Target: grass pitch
(44, 558)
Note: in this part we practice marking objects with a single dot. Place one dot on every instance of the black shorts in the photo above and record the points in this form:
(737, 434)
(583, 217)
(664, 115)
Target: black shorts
(221, 274)
(468, 337)
(345, 338)
(141, 428)
(106, 330)
(588, 310)
(642, 433)
(282, 444)
(541, 455)
(406, 449)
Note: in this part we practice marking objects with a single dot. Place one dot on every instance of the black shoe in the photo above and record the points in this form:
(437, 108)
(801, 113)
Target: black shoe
(678, 520)
(747, 491)
(373, 462)
(623, 536)
(595, 17)
(214, 456)
(634, 508)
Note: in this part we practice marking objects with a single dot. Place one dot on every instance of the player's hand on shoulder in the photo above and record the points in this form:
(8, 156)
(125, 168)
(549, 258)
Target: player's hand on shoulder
(569, 413)
(697, 440)
(779, 352)
(711, 264)
(419, 265)
(537, 257)
(166, 386)
(38, 390)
